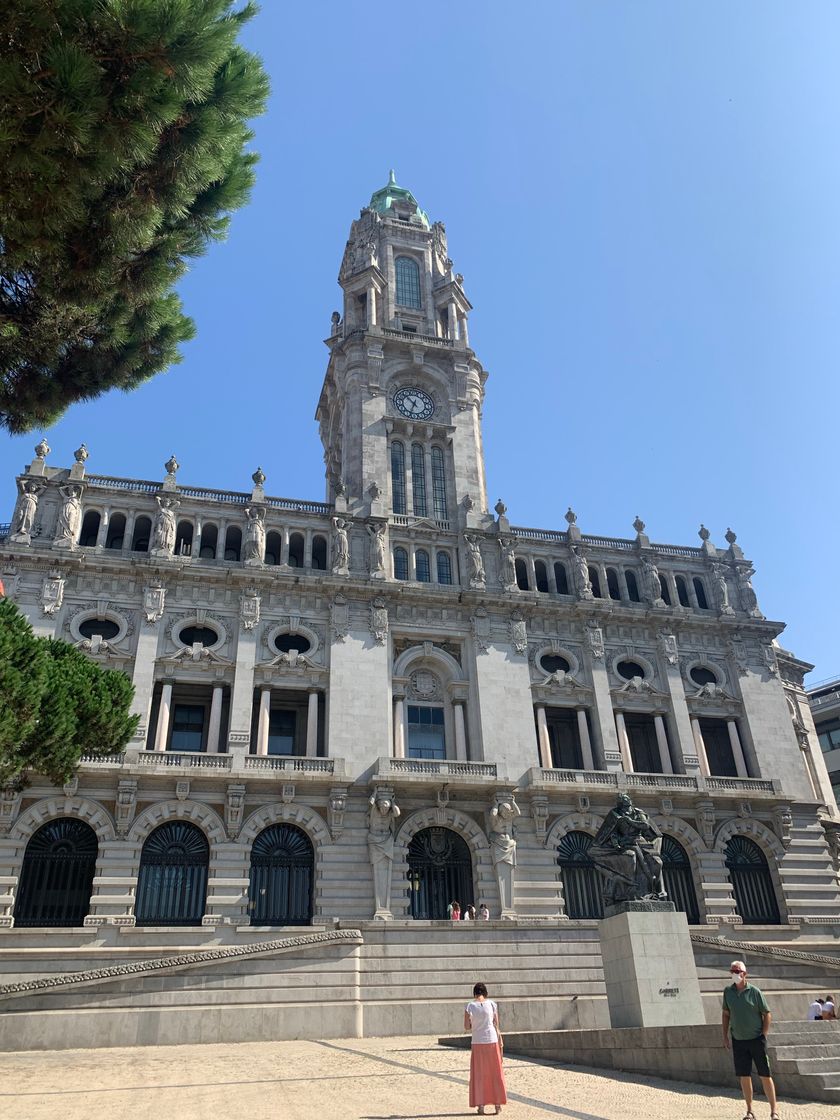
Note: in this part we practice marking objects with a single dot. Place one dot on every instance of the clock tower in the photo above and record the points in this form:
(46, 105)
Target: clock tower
(400, 407)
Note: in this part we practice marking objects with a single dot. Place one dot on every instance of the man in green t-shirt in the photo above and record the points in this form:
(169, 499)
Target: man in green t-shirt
(746, 1021)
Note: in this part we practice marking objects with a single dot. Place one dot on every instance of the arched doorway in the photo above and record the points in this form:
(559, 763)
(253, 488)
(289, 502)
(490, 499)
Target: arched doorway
(752, 884)
(56, 878)
(439, 871)
(172, 884)
(282, 871)
(679, 881)
(581, 882)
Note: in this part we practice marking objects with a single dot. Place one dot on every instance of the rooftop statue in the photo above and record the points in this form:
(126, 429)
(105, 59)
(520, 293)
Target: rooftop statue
(626, 852)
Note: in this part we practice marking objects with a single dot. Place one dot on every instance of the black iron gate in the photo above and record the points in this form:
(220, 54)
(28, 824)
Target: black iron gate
(752, 883)
(282, 868)
(439, 872)
(172, 885)
(581, 882)
(56, 878)
(679, 881)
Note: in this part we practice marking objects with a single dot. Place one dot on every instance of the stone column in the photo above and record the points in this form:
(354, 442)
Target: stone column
(602, 579)
(683, 739)
(604, 723)
(662, 743)
(143, 677)
(284, 546)
(700, 746)
(460, 731)
(532, 573)
(215, 720)
(622, 585)
(585, 741)
(162, 732)
(452, 323)
(623, 743)
(465, 332)
(543, 739)
(371, 305)
(262, 726)
(102, 532)
(128, 539)
(242, 694)
(312, 725)
(307, 549)
(737, 749)
(399, 728)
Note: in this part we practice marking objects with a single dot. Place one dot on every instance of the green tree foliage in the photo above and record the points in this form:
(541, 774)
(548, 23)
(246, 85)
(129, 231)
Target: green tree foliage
(123, 129)
(57, 704)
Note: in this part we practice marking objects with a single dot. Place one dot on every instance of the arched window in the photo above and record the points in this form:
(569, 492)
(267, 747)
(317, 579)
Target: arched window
(282, 874)
(233, 543)
(90, 529)
(439, 871)
(172, 884)
(408, 282)
(581, 884)
(595, 581)
(561, 578)
(296, 550)
(700, 592)
(400, 563)
(421, 565)
(208, 542)
(418, 480)
(521, 574)
(612, 584)
(632, 586)
(541, 576)
(184, 539)
(398, 477)
(116, 531)
(752, 884)
(444, 568)
(56, 878)
(664, 593)
(273, 548)
(142, 533)
(439, 484)
(682, 591)
(319, 553)
(679, 881)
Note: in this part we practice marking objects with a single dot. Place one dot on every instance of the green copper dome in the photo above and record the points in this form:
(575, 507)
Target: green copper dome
(381, 200)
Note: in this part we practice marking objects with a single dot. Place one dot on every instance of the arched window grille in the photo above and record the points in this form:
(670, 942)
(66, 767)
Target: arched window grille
(439, 872)
(682, 591)
(700, 592)
(400, 563)
(521, 574)
(439, 484)
(56, 878)
(408, 282)
(421, 566)
(398, 476)
(444, 568)
(282, 873)
(561, 578)
(172, 884)
(581, 883)
(679, 881)
(752, 884)
(632, 586)
(418, 480)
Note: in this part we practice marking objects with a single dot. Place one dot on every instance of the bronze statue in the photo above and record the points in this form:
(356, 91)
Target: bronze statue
(626, 852)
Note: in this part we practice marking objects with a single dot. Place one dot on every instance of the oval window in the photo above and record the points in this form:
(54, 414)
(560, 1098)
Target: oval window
(205, 635)
(101, 627)
(629, 670)
(554, 663)
(701, 675)
(285, 643)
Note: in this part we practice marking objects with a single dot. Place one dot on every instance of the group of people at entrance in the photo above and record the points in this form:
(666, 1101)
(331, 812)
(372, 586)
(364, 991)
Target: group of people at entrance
(468, 914)
(822, 1009)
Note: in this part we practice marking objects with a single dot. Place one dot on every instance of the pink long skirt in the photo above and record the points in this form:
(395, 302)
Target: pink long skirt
(487, 1081)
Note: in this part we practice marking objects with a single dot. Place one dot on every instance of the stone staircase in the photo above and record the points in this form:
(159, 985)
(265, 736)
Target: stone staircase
(805, 1060)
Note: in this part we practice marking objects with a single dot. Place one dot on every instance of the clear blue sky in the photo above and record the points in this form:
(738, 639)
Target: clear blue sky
(643, 199)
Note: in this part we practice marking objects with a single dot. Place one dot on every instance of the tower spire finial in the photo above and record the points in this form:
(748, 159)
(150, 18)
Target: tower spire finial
(392, 178)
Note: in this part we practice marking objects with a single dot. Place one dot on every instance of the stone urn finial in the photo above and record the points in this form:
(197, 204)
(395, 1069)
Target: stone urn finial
(638, 524)
(500, 508)
(171, 465)
(703, 533)
(81, 454)
(731, 537)
(42, 449)
(258, 477)
(570, 516)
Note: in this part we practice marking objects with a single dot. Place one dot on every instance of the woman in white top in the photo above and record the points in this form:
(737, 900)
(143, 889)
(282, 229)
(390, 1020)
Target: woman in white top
(828, 1011)
(487, 1079)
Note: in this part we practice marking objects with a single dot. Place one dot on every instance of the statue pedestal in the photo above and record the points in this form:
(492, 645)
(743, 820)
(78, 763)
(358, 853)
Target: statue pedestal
(649, 968)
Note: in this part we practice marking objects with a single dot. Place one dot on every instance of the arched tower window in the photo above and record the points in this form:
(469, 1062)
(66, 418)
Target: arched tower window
(679, 882)
(541, 576)
(632, 586)
(282, 873)
(90, 529)
(142, 532)
(752, 884)
(421, 565)
(408, 282)
(581, 886)
(612, 584)
(208, 542)
(561, 578)
(439, 871)
(116, 531)
(521, 574)
(682, 591)
(439, 484)
(184, 539)
(418, 480)
(56, 879)
(233, 543)
(319, 553)
(172, 884)
(398, 477)
(444, 568)
(700, 592)
(273, 548)
(595, 581)
(296, 550)
(400, 563)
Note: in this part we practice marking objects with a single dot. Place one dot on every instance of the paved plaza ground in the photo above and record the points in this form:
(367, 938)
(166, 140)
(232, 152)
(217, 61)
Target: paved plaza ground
(348, 1079)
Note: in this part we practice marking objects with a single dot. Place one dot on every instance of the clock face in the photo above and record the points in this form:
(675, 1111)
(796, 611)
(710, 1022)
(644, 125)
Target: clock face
(414, 403)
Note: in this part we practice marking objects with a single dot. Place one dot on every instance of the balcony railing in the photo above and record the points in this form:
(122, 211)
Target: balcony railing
(438, 768)
(689, 782)
(290, 764)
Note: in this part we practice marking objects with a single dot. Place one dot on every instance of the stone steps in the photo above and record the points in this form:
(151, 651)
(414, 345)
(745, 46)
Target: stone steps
(805, 1059)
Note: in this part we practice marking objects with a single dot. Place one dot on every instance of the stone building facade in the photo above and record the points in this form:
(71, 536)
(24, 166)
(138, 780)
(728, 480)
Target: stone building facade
(366, 706)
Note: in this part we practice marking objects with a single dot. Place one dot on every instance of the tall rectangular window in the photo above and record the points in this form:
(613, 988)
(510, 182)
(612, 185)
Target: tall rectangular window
(187, 727)
(408, 282)
(426, 738)
(439, 484)
(398, 477)
(281, 731)
(418, 480)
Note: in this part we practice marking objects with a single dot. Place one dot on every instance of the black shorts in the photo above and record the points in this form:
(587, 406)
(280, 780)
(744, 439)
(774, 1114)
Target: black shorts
(745, 1051)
